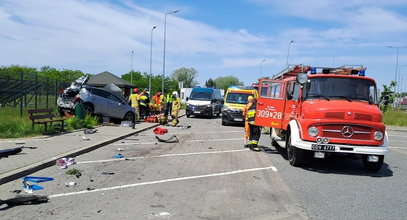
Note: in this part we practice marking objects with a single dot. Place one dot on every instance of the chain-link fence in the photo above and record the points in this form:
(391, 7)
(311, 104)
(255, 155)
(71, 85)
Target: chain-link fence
(29, 91)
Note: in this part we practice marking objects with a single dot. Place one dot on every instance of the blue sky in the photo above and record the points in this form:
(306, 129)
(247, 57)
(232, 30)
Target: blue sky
(216, 37)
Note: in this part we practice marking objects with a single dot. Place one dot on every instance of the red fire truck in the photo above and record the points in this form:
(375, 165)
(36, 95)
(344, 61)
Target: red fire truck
(317, 111)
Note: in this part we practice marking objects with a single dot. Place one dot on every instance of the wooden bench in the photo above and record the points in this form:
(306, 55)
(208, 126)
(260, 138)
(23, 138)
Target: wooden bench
(44, 116)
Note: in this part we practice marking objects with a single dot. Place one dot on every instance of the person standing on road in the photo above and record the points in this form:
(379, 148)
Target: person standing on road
(144, 103)
(169, 103)
(134, 102)
(176, 106)
(254, 130)
(246, 123)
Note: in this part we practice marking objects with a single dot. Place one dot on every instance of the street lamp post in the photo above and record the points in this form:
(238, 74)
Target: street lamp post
(261, 67)
(397, 63)
(288, 51)
(165, 33)
(151, 60)
(131, 73)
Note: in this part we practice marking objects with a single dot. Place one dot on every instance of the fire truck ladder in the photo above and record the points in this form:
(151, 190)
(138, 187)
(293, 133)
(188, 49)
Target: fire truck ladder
(292, 70)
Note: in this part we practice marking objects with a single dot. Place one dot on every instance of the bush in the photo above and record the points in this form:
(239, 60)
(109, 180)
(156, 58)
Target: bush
(75, 123)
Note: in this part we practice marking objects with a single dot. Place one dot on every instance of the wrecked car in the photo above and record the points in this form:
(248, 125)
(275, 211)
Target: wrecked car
(106, 101)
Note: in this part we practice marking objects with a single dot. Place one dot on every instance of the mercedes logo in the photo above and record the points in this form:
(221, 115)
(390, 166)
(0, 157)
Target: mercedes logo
(347, 131)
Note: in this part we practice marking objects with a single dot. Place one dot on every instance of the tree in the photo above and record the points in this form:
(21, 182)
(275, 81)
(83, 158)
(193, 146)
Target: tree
(225, 82)
(210, 83)
(185, 75)
(386, 96)
(141, 80)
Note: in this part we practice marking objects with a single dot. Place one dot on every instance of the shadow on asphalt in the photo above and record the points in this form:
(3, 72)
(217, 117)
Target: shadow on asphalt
(335, 164)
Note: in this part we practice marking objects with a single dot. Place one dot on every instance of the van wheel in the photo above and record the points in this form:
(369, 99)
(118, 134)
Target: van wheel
(294, 154)
(372, 166)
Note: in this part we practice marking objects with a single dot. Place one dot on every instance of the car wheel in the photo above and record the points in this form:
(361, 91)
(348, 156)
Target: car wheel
(224, 122)
(294, 154)
(372, 166)
(129, 116)
(88, 108)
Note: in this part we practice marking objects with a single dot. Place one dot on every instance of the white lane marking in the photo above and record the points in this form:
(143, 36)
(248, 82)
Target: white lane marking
(164, 181)
(230, 139)
(190, 141)
(398, 147)
(397, 141)
(164, 155)
(201, 132)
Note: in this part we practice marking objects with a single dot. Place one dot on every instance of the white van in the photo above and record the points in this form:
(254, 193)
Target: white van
(204, 102)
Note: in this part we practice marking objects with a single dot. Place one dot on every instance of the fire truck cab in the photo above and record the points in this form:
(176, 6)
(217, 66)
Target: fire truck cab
(321, 113)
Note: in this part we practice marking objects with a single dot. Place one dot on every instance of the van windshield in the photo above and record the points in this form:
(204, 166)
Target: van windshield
(204, 96)
(350, 89)
(238, 98)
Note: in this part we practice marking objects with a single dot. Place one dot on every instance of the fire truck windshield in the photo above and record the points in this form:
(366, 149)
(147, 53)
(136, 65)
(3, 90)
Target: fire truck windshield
(238, 98)
(350, 89)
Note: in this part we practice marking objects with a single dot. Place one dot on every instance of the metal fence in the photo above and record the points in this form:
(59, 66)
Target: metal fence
(29, 91)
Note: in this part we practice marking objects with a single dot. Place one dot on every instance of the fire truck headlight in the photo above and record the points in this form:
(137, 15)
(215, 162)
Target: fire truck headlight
(313, 131)
(378, 135)
(302, 78)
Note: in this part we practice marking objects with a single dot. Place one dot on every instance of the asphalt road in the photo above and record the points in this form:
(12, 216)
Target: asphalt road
(209, 175)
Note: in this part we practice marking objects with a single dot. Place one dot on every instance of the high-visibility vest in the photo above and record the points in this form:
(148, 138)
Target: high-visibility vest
(134, 100)
(251, 113)
(144, 100)
(169, 97)
(176, 104)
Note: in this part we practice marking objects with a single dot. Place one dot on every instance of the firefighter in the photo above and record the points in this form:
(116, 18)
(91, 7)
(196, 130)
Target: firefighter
(162, 117)
(156, 102)
(134, 101)
(246, 123)
(144, 103)
(254, 134)
(169, 103)
(176, 106)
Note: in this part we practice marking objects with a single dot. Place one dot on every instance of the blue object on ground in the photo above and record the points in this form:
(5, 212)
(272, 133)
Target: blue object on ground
(36, 179)
(118, 156)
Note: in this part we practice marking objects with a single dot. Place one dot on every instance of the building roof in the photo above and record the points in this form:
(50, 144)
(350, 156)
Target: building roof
(104, 78)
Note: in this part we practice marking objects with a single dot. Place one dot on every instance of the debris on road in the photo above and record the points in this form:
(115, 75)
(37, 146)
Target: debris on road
(90, 131)
(24, 200)
(28, 188)
(120, 149)
(63, 163)
(118, 156)
(160, 131)
(85, 139)
(73, 172)
(107, 173)
(10, 151)
(69, 184)
(171, 139)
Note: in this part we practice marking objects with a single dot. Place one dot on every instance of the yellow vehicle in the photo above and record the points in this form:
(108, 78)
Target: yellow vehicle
(235, 101)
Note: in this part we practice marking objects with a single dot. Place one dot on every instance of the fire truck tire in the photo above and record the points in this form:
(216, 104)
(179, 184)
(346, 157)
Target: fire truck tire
(372, 166)
(273, 141)
(294, 154)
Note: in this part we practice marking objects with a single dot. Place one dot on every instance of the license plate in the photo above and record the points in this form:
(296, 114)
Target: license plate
(197, 112)
(238, 119)
(323, 147)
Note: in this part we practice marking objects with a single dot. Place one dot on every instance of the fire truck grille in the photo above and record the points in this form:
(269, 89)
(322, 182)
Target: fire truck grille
(346, 131)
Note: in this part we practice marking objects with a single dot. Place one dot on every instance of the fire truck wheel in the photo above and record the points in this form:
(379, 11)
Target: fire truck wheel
(372, 166)
(294, 154)
(273, 141)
